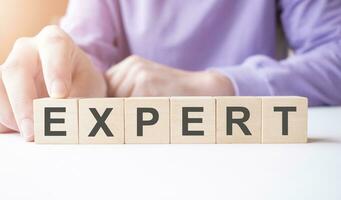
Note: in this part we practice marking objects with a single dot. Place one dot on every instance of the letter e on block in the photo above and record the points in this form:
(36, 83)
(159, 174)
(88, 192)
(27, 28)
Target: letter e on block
(239, 119)
(284, 119)
(192, 120)
(55, 121)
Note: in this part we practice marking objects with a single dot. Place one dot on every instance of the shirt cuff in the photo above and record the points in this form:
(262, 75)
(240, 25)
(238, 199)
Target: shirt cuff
(246, 81)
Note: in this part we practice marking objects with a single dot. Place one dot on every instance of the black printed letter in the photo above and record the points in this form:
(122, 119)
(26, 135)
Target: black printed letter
(285, 111)
(240, 122)
(49, 121)
(101, 122)
(140, 122)
(186, 120)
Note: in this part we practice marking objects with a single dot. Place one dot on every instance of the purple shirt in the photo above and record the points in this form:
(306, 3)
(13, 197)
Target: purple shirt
(239, 38)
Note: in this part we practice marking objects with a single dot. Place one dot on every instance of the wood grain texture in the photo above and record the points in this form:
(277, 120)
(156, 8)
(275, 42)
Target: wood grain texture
(69, 126)
(272, 121)
(177, 120)
(157, 132)
(113, 111)
(237, 106)
(204, 115)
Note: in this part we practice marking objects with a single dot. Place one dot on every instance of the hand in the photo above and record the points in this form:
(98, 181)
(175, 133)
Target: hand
(4, 129)
(136, 76)
(49, 64)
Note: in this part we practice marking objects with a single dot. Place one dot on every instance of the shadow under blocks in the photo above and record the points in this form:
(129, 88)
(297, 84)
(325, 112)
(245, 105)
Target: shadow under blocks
(171, 120)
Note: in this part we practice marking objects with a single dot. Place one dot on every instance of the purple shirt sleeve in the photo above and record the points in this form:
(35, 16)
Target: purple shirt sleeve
(313, 30)
(237, 37)
(90, 23)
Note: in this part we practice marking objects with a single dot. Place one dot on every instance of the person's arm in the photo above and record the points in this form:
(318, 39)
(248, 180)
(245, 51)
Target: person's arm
(91, 25)
(313, 30)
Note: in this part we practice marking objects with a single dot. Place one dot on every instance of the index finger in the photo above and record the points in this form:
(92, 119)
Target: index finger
(57, 54)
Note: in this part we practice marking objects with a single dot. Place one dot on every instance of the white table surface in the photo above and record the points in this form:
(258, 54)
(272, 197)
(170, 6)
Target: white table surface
(282, 171)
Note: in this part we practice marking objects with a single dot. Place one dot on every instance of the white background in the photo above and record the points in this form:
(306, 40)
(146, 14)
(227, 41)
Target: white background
(230, 171)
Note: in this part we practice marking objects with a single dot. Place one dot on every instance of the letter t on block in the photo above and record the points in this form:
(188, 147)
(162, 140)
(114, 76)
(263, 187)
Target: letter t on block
(284, 119)
(56, 121)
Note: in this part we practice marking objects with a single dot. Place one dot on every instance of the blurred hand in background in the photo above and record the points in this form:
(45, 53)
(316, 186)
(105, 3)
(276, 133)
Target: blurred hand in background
(137, 76)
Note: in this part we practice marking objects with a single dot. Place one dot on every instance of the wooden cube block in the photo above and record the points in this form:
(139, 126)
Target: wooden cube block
(192, 120)
(56, 121)
(101, 121)
(147, 120)
(284, 119)
(238, 119)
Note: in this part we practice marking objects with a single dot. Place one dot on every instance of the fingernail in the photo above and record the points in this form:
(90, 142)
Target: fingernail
(58, 89)
(26, 129)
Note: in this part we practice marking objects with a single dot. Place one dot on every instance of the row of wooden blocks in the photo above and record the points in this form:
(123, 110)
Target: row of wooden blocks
(167, 120)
